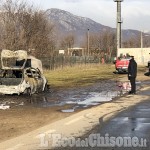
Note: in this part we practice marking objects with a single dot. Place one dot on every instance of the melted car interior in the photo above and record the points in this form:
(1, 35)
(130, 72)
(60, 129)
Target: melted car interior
(10, 77)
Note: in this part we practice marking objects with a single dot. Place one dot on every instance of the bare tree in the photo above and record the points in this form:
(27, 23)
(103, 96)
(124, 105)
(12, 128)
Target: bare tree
(24, 27)
(103, 43)
(132, 42)
(67, 42)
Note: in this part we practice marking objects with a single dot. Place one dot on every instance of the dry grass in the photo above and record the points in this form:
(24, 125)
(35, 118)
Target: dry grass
(82, 75)
(79, 75)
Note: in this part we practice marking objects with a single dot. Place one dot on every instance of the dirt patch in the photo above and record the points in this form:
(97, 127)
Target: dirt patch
(16, 121)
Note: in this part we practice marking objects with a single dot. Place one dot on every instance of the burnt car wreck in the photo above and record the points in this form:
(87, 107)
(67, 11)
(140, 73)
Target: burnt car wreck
(20, 73)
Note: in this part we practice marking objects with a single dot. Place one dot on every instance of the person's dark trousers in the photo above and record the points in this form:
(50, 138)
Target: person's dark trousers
(133, 85)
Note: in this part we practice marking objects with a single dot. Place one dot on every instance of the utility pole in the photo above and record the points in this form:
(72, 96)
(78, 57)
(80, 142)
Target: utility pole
(142, 60)
(119, 21)
(141, 40)
(88, 41)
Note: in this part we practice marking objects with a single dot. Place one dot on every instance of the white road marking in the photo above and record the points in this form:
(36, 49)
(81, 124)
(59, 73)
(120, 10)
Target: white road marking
(77, 119)
(50, 131)
(74, 120)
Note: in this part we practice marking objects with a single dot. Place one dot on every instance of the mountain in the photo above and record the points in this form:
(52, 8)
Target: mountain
(67, 23)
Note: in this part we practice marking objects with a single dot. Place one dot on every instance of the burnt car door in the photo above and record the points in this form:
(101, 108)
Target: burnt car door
(38, 79)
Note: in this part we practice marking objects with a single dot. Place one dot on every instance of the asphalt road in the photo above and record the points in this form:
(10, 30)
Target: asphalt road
(133, 124)
(128, 130)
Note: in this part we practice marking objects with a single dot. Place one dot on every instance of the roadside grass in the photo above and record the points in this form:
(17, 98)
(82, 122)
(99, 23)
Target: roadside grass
(79, 75)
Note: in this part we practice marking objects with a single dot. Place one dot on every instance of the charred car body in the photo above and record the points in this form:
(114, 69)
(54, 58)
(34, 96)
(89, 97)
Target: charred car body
(20, 73)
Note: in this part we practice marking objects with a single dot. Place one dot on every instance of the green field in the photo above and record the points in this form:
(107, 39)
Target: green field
(80, 75)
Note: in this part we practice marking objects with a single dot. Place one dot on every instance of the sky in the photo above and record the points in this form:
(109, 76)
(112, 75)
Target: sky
(135, 13)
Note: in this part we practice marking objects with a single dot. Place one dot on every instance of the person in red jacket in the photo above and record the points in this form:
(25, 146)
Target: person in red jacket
(103, 60)
(132, 73)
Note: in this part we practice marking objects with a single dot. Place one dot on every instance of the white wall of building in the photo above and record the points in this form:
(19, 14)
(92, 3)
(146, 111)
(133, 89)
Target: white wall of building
(141, 55)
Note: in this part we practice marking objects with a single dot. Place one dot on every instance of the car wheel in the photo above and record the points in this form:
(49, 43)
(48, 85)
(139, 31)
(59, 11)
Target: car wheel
(28, 91)
(46, 88)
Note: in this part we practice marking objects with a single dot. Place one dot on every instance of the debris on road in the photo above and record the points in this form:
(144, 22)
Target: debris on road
(3, 107)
